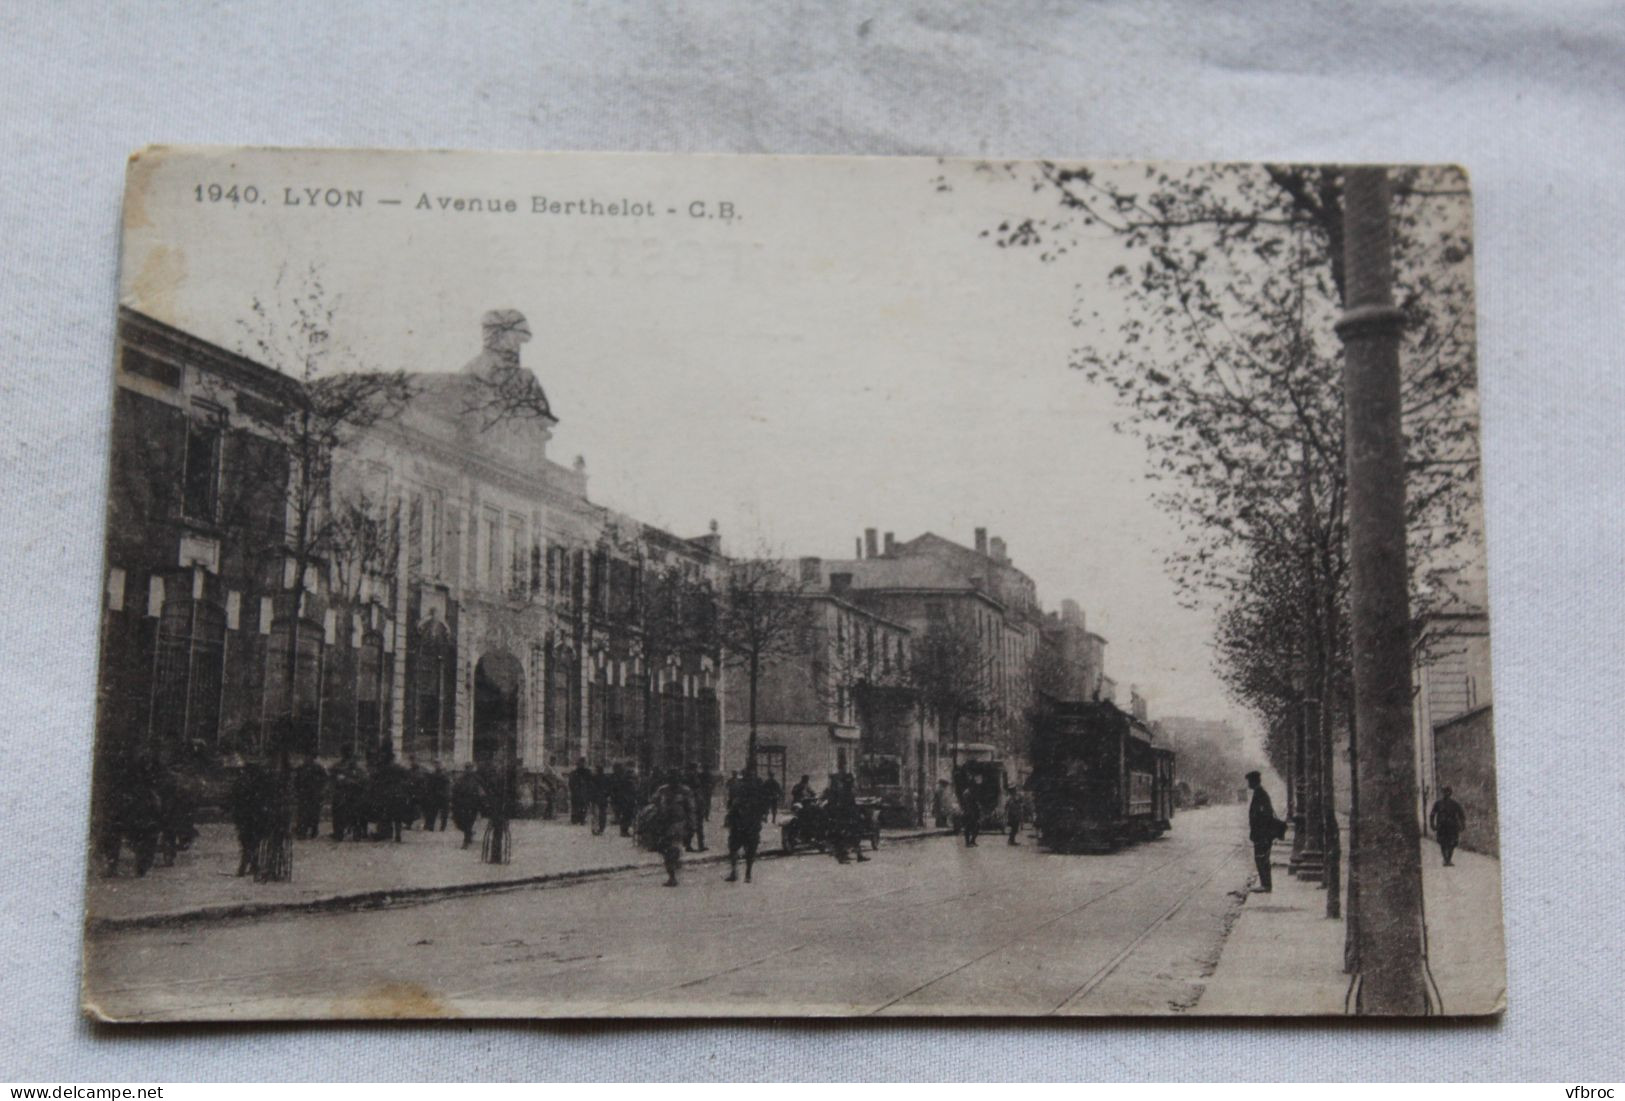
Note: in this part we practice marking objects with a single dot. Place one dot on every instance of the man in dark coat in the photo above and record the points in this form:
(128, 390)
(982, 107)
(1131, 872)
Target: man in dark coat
(251, 814)
(623, 797)
(391, 798)
(1447, 820)
(803, 791)
(705, 790)
(309, 786)
(671, 819)
(349, 789)
(138, 814)
(436, 797)
(775, 794)
(1015, 813)
(702, 808)
(1263, 829)
(748, 801)
(580, 792)
(970, 809)
(844, 818)
(600, 799)
(177, 801)
(417, 791)
(467, 798)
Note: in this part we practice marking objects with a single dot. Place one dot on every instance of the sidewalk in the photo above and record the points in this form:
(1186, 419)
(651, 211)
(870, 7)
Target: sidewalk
(1285, 958)
(359, 874)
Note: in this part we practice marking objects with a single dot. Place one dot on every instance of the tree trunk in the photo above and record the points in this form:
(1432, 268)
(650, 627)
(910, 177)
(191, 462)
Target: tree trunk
(750, 744)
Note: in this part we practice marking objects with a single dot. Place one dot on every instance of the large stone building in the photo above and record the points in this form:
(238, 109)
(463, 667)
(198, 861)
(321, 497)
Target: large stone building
(464, 599)
(931, 583)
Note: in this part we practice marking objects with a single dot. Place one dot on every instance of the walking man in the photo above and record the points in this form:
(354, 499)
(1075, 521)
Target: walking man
(970, 810)
(417, 793)
(250, 814)
(672, 821)
(1015, 812)
(748, 803)
(177, 800)
(1447, 820)
(1263, 829)
(623, 786)
(349, 792)
(803, 791)
(439, 800)
(467, 796)
(844, 817)
(696, 785)
(580, 787)
(309, 786)
(600, 800)
(775, 792)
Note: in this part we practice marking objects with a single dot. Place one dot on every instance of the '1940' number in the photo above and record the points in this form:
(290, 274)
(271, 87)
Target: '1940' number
(215, 193)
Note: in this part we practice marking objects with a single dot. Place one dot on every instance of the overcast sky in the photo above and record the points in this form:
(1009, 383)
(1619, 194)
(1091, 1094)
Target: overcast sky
(847, 352)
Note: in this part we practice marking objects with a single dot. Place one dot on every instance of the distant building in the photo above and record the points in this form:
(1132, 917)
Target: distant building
(1074, 657)
(1137, 705)
(1210, 756)
(838, 704)
(931, 582)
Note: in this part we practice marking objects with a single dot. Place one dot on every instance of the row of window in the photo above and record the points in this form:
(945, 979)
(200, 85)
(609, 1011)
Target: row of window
(160, 598)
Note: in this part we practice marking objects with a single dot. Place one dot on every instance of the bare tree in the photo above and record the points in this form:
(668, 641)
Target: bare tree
(952, 671)
(762, 616)
(337, 401)
(1220, 347)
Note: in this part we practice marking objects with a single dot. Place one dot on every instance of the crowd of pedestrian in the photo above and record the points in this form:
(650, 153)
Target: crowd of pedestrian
(149, 810)
(146, 807)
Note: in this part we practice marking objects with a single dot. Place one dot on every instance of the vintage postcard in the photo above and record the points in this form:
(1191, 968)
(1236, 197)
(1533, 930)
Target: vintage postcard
(635, 586)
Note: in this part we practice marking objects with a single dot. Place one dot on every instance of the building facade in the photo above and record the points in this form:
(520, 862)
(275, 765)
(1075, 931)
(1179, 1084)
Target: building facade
(1073, 657)
(1450, 679)
(464, 600)
(839, 702)
(934, 584)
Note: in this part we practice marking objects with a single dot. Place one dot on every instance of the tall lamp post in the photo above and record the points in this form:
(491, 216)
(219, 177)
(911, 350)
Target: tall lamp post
(1388, 864)
(1308, 842)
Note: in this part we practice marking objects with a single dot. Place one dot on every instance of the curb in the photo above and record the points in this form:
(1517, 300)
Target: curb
(408, 896)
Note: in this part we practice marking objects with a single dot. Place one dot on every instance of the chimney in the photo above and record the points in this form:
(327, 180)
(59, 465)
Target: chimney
(857, 548)
(871, 545)
(891, 542)
(995, 547)
(1071, 614)
(981, 540)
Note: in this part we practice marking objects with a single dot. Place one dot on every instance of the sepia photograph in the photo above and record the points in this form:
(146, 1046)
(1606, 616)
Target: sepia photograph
(646, 586)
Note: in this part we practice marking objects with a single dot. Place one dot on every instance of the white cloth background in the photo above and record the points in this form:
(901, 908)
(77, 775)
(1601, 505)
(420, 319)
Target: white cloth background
(1529, 97)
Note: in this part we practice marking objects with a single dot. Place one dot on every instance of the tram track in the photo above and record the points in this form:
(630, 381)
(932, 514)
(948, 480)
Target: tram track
(1108, 969)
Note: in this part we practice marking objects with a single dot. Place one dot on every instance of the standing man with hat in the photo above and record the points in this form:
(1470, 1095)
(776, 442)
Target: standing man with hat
(1263, 829)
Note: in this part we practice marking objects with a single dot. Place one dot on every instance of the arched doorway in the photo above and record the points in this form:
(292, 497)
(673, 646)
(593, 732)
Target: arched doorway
(498, 682)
